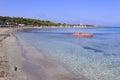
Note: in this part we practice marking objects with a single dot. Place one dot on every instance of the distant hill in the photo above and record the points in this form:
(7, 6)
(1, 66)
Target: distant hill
(6, 21)
(15, 21)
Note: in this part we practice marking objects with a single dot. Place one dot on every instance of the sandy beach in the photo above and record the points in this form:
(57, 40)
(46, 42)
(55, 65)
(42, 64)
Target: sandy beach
(24, 62)
(10, 56)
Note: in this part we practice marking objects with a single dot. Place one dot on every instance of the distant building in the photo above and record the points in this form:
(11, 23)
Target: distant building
(21, 24)
(81, 26)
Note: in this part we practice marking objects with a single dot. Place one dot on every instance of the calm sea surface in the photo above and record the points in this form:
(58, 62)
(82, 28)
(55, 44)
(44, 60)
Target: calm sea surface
(97, 58)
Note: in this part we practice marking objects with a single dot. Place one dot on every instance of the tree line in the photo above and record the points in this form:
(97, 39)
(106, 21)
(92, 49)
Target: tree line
(16, 21)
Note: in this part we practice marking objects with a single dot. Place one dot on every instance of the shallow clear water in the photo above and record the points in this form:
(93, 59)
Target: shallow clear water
(96, 58)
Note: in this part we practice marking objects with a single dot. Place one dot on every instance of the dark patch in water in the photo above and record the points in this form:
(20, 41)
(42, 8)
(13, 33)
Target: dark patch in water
(95, 50)
(107, 54)
(113, 54)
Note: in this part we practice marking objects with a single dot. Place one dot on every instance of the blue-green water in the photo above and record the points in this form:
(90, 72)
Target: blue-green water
(96, 58)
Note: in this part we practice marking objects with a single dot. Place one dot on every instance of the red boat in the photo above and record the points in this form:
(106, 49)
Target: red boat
(82, 35)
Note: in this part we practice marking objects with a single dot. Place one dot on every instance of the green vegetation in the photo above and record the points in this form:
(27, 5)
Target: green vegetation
(6, 21)
(16, 21)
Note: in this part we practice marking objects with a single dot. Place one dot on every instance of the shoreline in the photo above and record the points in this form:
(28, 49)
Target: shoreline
(27, 65)
(39, 67)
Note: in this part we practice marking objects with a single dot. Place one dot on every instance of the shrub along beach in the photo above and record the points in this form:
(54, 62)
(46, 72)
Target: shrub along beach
(20, 21)
(6, 21)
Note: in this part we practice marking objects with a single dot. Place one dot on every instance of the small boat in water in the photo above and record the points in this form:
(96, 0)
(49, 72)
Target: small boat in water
(82, 34)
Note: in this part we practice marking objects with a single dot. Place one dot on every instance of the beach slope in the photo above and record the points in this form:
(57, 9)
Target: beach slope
(10, 57)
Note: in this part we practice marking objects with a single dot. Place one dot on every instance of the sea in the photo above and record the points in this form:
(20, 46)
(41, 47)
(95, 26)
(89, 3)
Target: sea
(96, 58)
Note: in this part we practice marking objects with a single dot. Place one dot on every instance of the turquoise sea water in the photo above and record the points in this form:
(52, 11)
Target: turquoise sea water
(96, 58)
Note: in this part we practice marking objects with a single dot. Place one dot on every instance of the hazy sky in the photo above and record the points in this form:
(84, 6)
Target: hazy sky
(96, 12)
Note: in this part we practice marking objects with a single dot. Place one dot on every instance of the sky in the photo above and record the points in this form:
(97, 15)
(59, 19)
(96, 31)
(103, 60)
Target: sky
(93, 12)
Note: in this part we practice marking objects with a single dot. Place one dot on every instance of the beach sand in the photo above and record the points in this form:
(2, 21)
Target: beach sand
(10, 57)
(23, 62)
